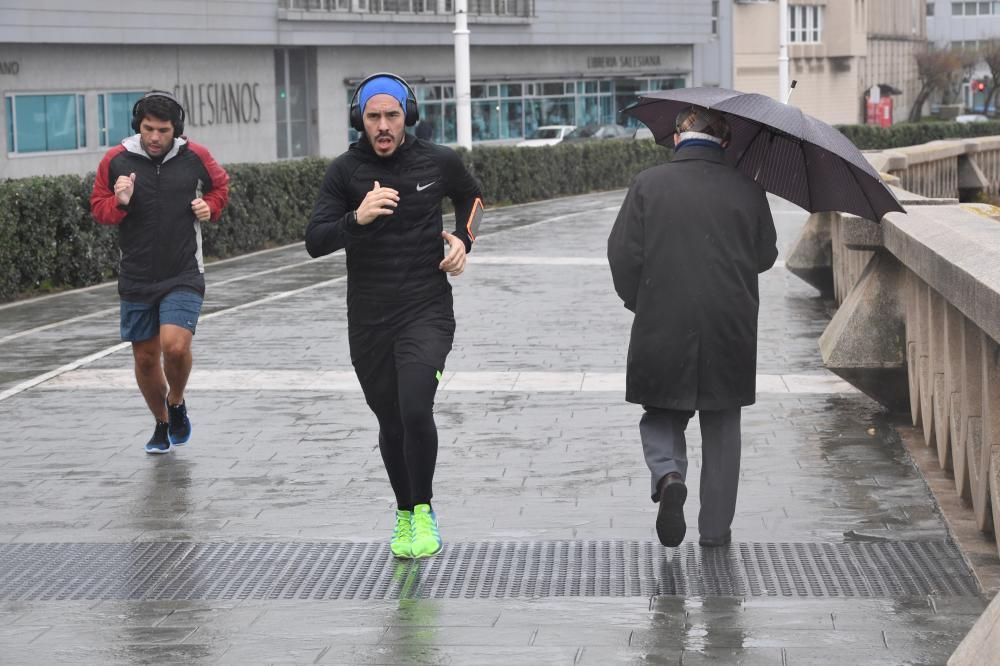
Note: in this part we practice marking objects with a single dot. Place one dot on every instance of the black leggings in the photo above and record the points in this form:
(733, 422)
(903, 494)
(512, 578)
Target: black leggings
(403, 401)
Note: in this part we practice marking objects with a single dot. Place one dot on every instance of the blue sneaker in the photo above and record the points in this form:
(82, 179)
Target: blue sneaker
(180, 424)
(160, 441)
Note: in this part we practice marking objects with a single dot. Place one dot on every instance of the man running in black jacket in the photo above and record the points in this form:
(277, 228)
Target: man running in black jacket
(381, 201)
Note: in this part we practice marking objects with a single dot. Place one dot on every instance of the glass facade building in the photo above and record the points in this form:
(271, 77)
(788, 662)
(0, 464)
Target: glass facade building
(507, 110)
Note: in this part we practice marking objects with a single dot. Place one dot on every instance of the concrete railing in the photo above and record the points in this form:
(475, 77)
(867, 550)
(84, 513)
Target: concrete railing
(918, 323)
(945, 168)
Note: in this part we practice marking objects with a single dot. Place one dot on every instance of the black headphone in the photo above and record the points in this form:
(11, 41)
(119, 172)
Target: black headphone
(137, 115)
(412, 112)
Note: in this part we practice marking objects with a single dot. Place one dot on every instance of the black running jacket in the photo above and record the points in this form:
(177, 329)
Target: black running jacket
(395, 258)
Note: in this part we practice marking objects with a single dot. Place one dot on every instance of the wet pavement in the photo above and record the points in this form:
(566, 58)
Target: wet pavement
(263, 541)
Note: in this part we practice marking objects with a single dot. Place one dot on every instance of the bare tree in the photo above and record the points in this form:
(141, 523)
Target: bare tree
(935, 69)
(990, 52)
(968, 59)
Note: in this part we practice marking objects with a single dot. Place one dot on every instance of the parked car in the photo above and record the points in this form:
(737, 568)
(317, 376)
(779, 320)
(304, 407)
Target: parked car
(592, 132)
(971, 118)
(643, 133)
(547, 135)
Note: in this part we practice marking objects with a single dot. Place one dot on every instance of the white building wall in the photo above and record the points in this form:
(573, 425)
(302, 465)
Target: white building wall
(196, 73)
(196, 47)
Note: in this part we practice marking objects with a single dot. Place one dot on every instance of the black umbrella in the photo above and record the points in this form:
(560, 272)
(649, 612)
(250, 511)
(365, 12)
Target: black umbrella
(789, 153)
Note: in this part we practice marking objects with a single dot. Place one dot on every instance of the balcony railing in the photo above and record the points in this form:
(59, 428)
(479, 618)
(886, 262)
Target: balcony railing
(511, 8)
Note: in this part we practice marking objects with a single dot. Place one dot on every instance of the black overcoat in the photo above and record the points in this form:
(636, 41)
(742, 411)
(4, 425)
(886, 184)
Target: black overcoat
(685, 251)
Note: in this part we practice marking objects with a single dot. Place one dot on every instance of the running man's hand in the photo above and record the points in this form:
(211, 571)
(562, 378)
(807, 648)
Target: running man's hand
(454, 262)
(201, 210)
(380, 201)
(124, 187)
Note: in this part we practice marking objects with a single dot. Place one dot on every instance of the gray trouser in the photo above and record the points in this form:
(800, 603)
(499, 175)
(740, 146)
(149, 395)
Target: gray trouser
(663, 444)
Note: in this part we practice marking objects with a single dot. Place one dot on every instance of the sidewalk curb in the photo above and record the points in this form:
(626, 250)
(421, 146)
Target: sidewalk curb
(978, 549)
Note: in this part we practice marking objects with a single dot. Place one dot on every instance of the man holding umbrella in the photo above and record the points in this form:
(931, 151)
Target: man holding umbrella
(685, 252)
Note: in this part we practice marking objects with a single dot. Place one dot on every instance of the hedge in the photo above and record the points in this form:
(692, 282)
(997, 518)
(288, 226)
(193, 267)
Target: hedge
(48, 239)
(871, 137)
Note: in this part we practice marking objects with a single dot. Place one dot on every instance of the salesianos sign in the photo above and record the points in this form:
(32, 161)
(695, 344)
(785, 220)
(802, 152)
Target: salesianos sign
(219, 103)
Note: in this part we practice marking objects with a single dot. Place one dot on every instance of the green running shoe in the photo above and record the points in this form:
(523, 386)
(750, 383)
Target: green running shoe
(402, 535)
(426, 538)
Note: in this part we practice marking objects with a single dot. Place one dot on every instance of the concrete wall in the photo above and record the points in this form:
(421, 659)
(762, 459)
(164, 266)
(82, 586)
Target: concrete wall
(943, 28)
(864, 42)
(558, 22)
(91, 47)
(138, 22)
(92, 70)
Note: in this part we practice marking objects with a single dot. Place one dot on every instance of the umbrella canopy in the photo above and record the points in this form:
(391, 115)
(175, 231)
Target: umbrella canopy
(789, 153)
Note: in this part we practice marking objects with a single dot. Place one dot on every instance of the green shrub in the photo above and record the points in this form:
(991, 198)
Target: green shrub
(10, 277)
(518, 175)
(48, 239)
(871, 137)
(269, 204)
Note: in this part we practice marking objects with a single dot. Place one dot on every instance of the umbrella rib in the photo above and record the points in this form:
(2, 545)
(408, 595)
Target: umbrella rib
(760, 167)
(739, 160)
(874, 217)
(809, 189)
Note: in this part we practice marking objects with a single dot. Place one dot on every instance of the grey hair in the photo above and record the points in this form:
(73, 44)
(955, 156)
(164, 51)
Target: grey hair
(697, 119)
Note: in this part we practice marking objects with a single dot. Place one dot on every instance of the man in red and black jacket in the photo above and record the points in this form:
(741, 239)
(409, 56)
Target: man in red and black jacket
(158, 187)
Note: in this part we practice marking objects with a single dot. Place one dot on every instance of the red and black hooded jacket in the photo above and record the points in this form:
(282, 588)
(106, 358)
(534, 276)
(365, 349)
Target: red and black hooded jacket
(159, 235)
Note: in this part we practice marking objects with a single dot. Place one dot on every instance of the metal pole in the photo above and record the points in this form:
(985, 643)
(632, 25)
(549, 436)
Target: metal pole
(463, 88)
(782, 50)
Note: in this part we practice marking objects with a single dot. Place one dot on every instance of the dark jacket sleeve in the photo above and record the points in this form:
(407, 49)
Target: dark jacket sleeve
(466, 195)
(767, 238)
(625, 248)
(333, 225)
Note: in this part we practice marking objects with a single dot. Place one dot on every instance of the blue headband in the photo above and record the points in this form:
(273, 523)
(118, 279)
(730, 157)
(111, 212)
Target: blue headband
(382, 85)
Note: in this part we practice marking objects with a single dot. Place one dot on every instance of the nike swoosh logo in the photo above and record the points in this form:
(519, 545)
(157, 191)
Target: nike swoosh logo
(421, 188)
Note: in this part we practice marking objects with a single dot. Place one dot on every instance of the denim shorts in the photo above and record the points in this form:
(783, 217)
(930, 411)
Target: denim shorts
(142, 321)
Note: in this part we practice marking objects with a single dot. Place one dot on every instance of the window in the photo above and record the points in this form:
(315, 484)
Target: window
(291, 102)
(715, 17)
(114, 116)
(930, 9)
(514, 109)
(512, 8)
(45, 123)
(805, 24)
(973, 8)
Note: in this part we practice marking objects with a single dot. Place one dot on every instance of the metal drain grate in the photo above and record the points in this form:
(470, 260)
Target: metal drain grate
(184, 570)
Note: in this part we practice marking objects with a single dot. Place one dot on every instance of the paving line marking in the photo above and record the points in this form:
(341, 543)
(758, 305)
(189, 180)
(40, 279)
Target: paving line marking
(111, 283)
(448, 217)
(528, 260)
(105, 311)
(73, 365)
(474, 259)
(57, 324)
(259, 379)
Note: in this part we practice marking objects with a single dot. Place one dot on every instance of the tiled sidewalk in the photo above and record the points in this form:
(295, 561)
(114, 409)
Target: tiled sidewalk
(284, 452)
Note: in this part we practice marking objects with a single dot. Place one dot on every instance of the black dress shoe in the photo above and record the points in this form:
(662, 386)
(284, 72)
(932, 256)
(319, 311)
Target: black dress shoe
(670, 525)
(708, 542)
